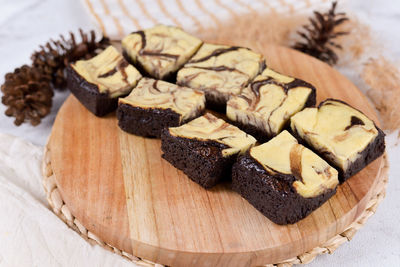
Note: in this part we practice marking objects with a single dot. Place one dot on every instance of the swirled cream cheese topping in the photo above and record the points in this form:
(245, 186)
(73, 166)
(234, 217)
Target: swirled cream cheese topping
(335, 129)
(269, 101)
(210, 128)
(150, 93)
(109, 71)
(283, 154)
(160, 50)
(220, 70)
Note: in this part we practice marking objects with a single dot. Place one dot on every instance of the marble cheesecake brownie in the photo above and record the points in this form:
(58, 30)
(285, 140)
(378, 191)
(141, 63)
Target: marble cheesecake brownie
(220, 71)
(341, 134)
(155, 104)
(98, 82)
(264, 107)
(205, 148)
(284, 180)
(160, 51)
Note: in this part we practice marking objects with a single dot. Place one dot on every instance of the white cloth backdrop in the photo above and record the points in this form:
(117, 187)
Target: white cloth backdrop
(31, 235)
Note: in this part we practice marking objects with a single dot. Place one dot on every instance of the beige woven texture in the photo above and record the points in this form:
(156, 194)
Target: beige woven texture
(117, 18)
(61, 210)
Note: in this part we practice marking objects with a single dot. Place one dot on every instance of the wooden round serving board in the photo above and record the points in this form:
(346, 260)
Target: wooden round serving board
(118, 186)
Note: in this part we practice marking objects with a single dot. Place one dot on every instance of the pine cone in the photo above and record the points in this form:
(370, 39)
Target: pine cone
(319, 35)
(28, 91)
(54, 56)
(28, 95)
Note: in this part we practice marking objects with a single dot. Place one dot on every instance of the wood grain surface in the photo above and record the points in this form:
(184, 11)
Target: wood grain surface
(118, 186)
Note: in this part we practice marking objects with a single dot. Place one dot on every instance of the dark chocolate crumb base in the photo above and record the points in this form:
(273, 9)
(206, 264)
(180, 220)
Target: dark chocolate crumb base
(258, 133)
(273, 195)
(100, 104)
(261, 134)
(201, 161)
(148, 122)
(373, 151)
(145, 122)
(216, 101)
(215, 105)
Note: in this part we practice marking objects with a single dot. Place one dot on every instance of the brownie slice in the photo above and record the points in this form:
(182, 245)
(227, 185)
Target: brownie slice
(341, 134)
(264, 108)
(98, 82)
(284, 180)
(205, 148)
(220, 71)
(155, 104)
(160, 51)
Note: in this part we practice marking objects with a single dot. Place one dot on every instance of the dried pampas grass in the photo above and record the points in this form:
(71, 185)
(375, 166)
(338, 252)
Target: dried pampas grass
(357, 44)
(383, 78)
(253, 28)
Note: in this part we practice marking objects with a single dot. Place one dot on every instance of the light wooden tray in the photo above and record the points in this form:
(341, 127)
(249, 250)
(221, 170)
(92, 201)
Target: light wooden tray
(62, 211)
(117, 187)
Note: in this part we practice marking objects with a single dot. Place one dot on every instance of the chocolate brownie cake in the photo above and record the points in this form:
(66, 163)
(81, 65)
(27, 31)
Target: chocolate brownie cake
(160, 51)
(264, 108)
(155, 104)
(284, 180)
(220, 71)
(341, 134)
(205, 148)
(98, 82)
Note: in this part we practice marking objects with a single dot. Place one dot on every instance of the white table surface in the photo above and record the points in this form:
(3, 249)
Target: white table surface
(26, 24)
